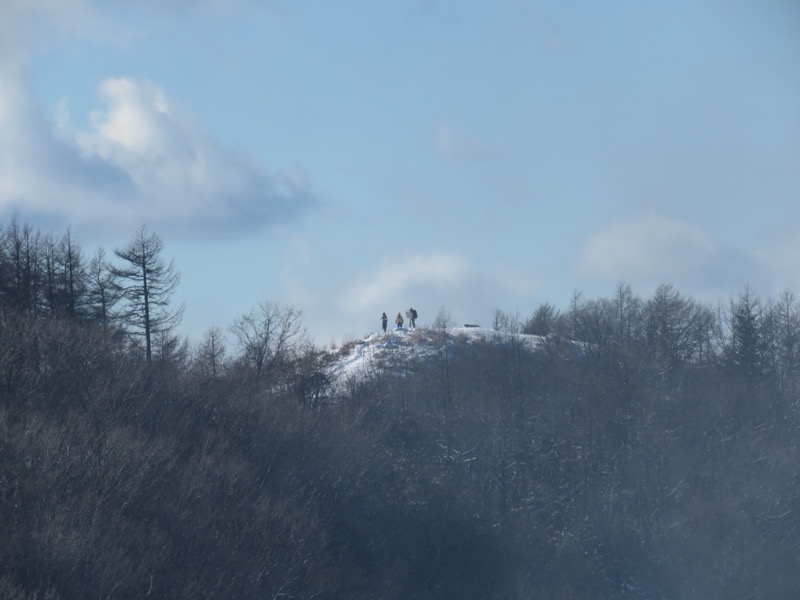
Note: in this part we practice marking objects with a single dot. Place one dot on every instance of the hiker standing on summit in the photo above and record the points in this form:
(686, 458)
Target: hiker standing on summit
(398, 321)
(384, 321)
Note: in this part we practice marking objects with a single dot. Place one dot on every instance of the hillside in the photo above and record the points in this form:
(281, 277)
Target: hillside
(446, 465)
(379, 352)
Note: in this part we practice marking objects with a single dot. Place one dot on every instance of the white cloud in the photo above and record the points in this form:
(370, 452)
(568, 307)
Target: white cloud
(649, 246)
(652, 249)
(38, 171)
(144, 159)
(393, 277)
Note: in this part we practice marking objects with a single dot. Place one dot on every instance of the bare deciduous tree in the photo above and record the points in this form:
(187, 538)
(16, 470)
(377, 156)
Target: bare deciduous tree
(267, 336)
(21, 247)
(210, 356)
(103, 291)
(147, 284)
(64, 283)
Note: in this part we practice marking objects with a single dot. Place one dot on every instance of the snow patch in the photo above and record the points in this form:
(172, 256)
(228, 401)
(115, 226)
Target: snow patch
(380, 351)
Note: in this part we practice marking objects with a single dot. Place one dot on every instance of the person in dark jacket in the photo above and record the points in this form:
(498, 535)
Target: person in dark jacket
(384, 321)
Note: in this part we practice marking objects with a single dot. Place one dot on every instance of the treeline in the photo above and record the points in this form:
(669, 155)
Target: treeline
(750, 341)
(45, 275)
(647, 450)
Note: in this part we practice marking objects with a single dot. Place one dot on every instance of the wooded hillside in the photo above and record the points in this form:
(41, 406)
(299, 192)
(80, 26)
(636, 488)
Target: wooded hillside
(658, 461)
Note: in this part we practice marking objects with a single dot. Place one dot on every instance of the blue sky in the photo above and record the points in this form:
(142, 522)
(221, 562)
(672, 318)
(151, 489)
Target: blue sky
(348, 158)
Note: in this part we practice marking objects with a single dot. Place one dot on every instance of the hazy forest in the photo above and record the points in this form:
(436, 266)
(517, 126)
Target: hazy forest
(649, 450)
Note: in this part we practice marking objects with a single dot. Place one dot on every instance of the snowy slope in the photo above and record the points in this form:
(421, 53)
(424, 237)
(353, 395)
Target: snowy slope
(379, 351)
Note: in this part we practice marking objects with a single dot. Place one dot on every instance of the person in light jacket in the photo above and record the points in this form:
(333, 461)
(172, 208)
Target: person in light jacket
(399, 321)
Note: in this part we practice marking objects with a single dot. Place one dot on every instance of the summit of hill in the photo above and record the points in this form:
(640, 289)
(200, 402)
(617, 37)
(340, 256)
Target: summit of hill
(402, 346)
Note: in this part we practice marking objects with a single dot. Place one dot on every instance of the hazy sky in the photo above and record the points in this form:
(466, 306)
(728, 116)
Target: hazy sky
(353, 157)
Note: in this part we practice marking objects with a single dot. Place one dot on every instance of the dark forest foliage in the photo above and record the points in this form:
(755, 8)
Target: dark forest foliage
(649, 450)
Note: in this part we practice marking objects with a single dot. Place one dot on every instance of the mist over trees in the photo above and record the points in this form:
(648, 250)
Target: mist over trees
(648, 449)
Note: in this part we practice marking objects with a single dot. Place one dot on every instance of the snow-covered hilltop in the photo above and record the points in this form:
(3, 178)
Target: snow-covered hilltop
(379, 351)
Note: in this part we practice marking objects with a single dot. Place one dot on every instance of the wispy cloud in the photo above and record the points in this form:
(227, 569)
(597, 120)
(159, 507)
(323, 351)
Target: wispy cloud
(653, 248)
(179, 172)
(143, 158)
(39, 171)
(646, 246)
(393, 277)
(455, 145)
